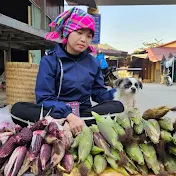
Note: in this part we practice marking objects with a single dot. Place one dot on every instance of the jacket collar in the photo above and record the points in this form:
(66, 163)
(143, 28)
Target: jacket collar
(61, 53)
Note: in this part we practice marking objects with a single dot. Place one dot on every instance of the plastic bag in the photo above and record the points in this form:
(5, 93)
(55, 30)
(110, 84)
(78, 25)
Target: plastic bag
(5, 114)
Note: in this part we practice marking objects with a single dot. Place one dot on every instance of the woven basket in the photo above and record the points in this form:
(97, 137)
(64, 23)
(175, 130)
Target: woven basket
(20, 82)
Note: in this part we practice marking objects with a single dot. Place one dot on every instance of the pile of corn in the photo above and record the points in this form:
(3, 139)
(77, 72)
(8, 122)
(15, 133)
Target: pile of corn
(40, 149)
(130, 144)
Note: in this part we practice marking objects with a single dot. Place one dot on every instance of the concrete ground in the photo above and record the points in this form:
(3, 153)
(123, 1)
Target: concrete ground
(151, 96)
(154, 95)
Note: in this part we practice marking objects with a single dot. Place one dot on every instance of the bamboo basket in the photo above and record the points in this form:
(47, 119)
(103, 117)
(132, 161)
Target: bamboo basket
(20, 82)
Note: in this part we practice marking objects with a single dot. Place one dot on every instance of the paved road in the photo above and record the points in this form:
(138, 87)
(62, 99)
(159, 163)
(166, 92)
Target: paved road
(154, 95)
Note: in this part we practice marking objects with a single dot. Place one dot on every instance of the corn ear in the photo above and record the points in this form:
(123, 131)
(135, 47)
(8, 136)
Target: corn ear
(108, 132)
(100, 164)
(152, 130)
(86, 166)
(123, 120)
(85, 143)
(142, 169)
(174, 138)
(135, 115)
(149, 154)
(115, 166)
(118, 129)
(76, 141)
(94, 128)
(166, 124)
(135, 153)
(139, 128)
(115, 154)
(166, 136)
(172, 149)
(156, 113)
(170, 164)
(96, 150)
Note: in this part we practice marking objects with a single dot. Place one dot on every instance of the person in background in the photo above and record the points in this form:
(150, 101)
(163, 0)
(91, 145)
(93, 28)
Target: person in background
(102, 61)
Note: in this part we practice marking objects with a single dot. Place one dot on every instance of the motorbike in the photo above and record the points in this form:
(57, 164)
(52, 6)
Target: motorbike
(109, 76)
(2, 82)
(168, 79)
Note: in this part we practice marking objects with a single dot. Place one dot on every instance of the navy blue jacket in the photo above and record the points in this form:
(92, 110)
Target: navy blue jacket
(82, 79)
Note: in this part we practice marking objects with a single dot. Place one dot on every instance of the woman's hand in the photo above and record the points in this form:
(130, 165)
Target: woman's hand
(76, 123)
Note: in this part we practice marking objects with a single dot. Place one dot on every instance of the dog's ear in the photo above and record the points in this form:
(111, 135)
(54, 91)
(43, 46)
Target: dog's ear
(140, 84)
(118, 82)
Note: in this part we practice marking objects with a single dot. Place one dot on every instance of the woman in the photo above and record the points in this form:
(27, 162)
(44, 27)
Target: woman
(69, 75)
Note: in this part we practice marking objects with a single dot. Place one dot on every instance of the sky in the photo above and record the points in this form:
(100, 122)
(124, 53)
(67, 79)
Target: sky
(127, 27)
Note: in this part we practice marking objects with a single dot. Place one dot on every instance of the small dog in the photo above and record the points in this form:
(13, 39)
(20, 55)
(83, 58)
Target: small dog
(126, 91)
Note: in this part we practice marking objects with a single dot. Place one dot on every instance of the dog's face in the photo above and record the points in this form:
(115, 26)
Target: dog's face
(129, 85)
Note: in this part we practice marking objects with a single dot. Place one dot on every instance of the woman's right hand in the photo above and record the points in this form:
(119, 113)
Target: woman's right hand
(76, 123)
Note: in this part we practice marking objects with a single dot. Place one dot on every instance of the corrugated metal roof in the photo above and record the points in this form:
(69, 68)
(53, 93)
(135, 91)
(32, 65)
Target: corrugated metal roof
(157, 54)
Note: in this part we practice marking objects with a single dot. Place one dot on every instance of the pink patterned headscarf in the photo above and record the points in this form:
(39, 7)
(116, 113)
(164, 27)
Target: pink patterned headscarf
(69, 21)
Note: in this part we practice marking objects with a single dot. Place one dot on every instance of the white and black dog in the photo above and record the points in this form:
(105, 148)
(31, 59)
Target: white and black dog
(126, 91)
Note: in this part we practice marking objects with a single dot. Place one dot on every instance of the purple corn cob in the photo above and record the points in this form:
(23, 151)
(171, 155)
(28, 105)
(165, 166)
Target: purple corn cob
(15, 161)
(68, 162)
(58, 152)
(7, 148)
(55, 129)
(4, 137)
(45, 155)
(50, 138)
(101, 143)
(18, 128)
(6, 127)
(68, 137)
(39, 125)
(29, 158)
(24, 137)
(36, 167)
(37, 140)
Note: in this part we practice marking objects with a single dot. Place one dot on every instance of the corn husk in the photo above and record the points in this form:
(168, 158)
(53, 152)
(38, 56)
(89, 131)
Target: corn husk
(100, 164)
(166, 124)
(149, 154)
(166, 136)
(143, 169)
(135, 153)
(108, 132)
(115, 166)
(131, 167)
(76, 141)
(94, 128)
(86, 167)
(174, 138)
(85, 144)
(172, 149)
(156, 113)
(96, 150)
(135, 115)
(139, 129)
(170, 164)
(152, 130)
(123, 120)
(118, 129)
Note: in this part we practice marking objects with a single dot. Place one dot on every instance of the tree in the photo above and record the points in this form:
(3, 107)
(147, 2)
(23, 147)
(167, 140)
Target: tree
(151, 45)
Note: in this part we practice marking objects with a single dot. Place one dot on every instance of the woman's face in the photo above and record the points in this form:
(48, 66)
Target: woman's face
(78, 41)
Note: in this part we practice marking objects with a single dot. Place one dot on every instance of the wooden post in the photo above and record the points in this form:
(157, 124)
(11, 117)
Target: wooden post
(43, 15)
